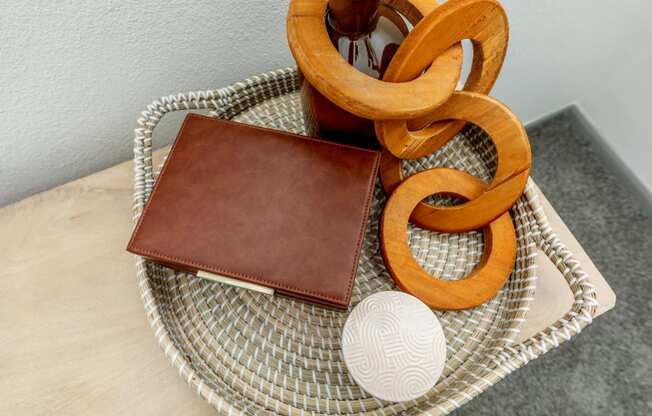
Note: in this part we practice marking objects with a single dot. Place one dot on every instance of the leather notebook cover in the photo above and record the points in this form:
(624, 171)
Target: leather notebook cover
(262, 206)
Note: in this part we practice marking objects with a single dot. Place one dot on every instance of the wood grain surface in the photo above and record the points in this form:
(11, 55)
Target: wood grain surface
(514, 161)
(75, 338)
(357, 92)
(484, 22)
(499, 243)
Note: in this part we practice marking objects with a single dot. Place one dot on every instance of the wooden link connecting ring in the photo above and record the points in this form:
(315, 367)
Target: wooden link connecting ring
(512, 171)
(484, 22)
(499, 243)
(359, 93)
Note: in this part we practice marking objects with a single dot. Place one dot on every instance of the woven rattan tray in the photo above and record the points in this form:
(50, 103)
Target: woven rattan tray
(246, 353)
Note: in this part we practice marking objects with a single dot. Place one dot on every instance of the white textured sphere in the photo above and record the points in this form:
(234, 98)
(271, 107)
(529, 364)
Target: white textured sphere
(394, 346)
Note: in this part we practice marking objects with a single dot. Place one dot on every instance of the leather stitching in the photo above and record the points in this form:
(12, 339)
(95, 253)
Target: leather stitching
(259, 279)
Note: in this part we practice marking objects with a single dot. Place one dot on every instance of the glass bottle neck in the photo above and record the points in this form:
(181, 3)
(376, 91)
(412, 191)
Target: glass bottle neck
(351, 17)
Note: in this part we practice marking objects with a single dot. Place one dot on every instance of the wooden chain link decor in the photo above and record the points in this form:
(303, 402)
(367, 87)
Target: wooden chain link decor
(512, 171)
(499, 246)
(485, 24)
(355, 91)
(416, 110)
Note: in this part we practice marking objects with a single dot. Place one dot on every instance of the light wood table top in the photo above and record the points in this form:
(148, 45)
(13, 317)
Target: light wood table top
(75, 338)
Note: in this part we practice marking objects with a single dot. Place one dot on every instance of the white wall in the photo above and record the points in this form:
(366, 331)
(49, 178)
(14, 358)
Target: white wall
(76, 74)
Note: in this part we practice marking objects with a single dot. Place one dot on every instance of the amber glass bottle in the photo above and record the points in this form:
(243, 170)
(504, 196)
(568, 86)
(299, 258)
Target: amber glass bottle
(366, 34)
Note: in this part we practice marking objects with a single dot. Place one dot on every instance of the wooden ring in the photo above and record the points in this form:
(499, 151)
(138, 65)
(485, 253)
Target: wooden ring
(512, 171)
(485, 23)
(499, 244)
(357, 92)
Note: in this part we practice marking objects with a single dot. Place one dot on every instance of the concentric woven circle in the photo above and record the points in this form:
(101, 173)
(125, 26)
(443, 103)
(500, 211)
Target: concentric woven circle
(394, 346)
(246, 353)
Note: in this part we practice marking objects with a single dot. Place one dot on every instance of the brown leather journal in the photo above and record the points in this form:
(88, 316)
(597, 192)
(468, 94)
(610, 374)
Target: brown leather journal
(262, 206)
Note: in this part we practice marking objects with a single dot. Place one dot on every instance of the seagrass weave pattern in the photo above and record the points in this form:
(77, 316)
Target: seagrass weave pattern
(246, 353)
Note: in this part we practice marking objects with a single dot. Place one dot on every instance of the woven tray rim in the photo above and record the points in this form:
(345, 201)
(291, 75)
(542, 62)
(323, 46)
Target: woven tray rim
(274, 83)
